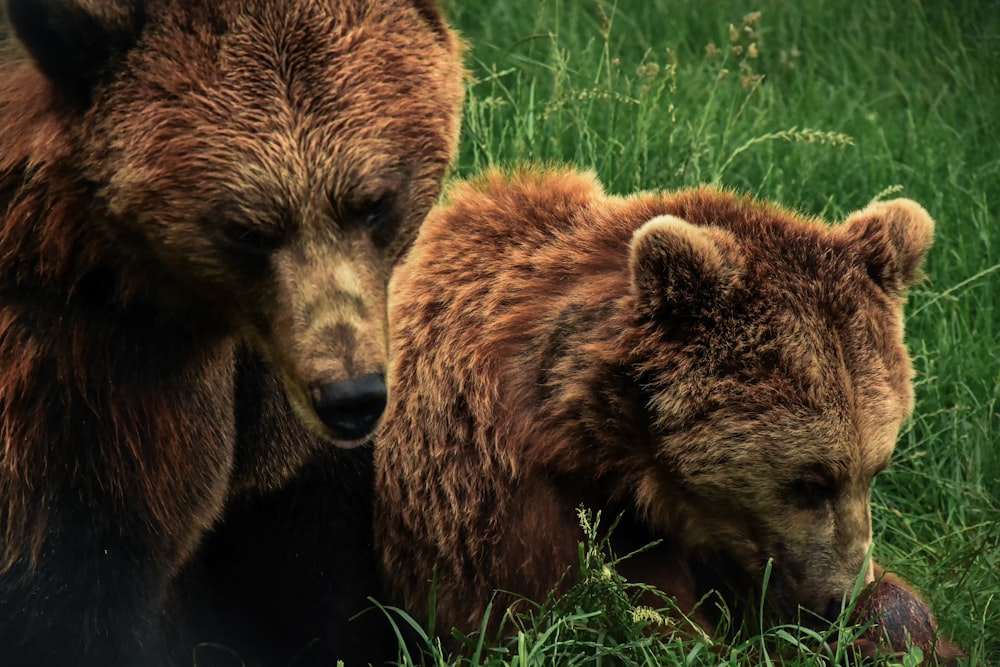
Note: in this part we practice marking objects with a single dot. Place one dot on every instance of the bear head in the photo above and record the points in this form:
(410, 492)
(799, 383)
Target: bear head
(259, 163)
(771, 352)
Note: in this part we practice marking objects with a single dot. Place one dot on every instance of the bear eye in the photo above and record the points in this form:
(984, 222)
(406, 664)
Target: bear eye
(813, 490)
(228, 225)
(372, 214)
(252, 246)
(253, 241)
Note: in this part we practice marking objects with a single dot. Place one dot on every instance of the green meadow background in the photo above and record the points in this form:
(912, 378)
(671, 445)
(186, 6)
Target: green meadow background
(823, 106)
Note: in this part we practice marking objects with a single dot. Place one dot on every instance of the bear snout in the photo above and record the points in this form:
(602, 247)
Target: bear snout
(831, 610)
(350, 408)
(825, 609)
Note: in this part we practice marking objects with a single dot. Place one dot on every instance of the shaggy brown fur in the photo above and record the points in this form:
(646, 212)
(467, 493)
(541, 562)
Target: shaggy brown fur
(187, 186)
(729, 374)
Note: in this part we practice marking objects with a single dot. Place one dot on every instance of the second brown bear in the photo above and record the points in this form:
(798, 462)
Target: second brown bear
(727, 373)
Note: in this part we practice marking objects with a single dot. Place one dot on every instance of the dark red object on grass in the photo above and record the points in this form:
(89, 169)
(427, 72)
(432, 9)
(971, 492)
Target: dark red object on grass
(901, 620)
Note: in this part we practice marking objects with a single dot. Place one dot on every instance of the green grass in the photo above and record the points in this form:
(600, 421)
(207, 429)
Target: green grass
(599, 621)
(844, 102)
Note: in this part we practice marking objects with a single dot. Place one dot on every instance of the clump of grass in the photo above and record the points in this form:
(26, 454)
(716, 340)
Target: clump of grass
(604, 620)
(742, 46)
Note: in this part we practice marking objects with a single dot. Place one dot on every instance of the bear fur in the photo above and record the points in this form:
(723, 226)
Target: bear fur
(727, 375)
(201, 203)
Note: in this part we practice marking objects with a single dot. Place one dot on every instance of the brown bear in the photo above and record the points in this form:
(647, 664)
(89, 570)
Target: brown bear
(201, 202)
(728, 375)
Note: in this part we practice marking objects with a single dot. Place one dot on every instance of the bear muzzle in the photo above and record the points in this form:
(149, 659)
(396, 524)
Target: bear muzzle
(350, 408)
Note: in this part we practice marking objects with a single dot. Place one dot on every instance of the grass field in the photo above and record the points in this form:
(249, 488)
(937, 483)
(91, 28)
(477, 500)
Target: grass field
(823, 107)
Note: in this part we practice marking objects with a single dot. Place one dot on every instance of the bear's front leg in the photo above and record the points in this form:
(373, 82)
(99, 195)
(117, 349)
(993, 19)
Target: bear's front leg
(91, 599)
(93, 592)
(107, 486)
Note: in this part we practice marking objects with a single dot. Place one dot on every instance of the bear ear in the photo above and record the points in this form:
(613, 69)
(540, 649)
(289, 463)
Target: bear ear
(679, 269)
(75, 41)
(891, 238)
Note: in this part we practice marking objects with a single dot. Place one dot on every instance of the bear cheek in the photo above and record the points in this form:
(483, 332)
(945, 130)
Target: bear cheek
(238, 287)
(176, 255)
(673, 505)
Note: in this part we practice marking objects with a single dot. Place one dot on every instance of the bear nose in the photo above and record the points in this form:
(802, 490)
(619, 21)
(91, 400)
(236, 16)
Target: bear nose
(351, 408)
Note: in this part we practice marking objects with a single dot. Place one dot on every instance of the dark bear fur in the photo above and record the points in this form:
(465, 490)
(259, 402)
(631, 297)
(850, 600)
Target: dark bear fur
(201, 203)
